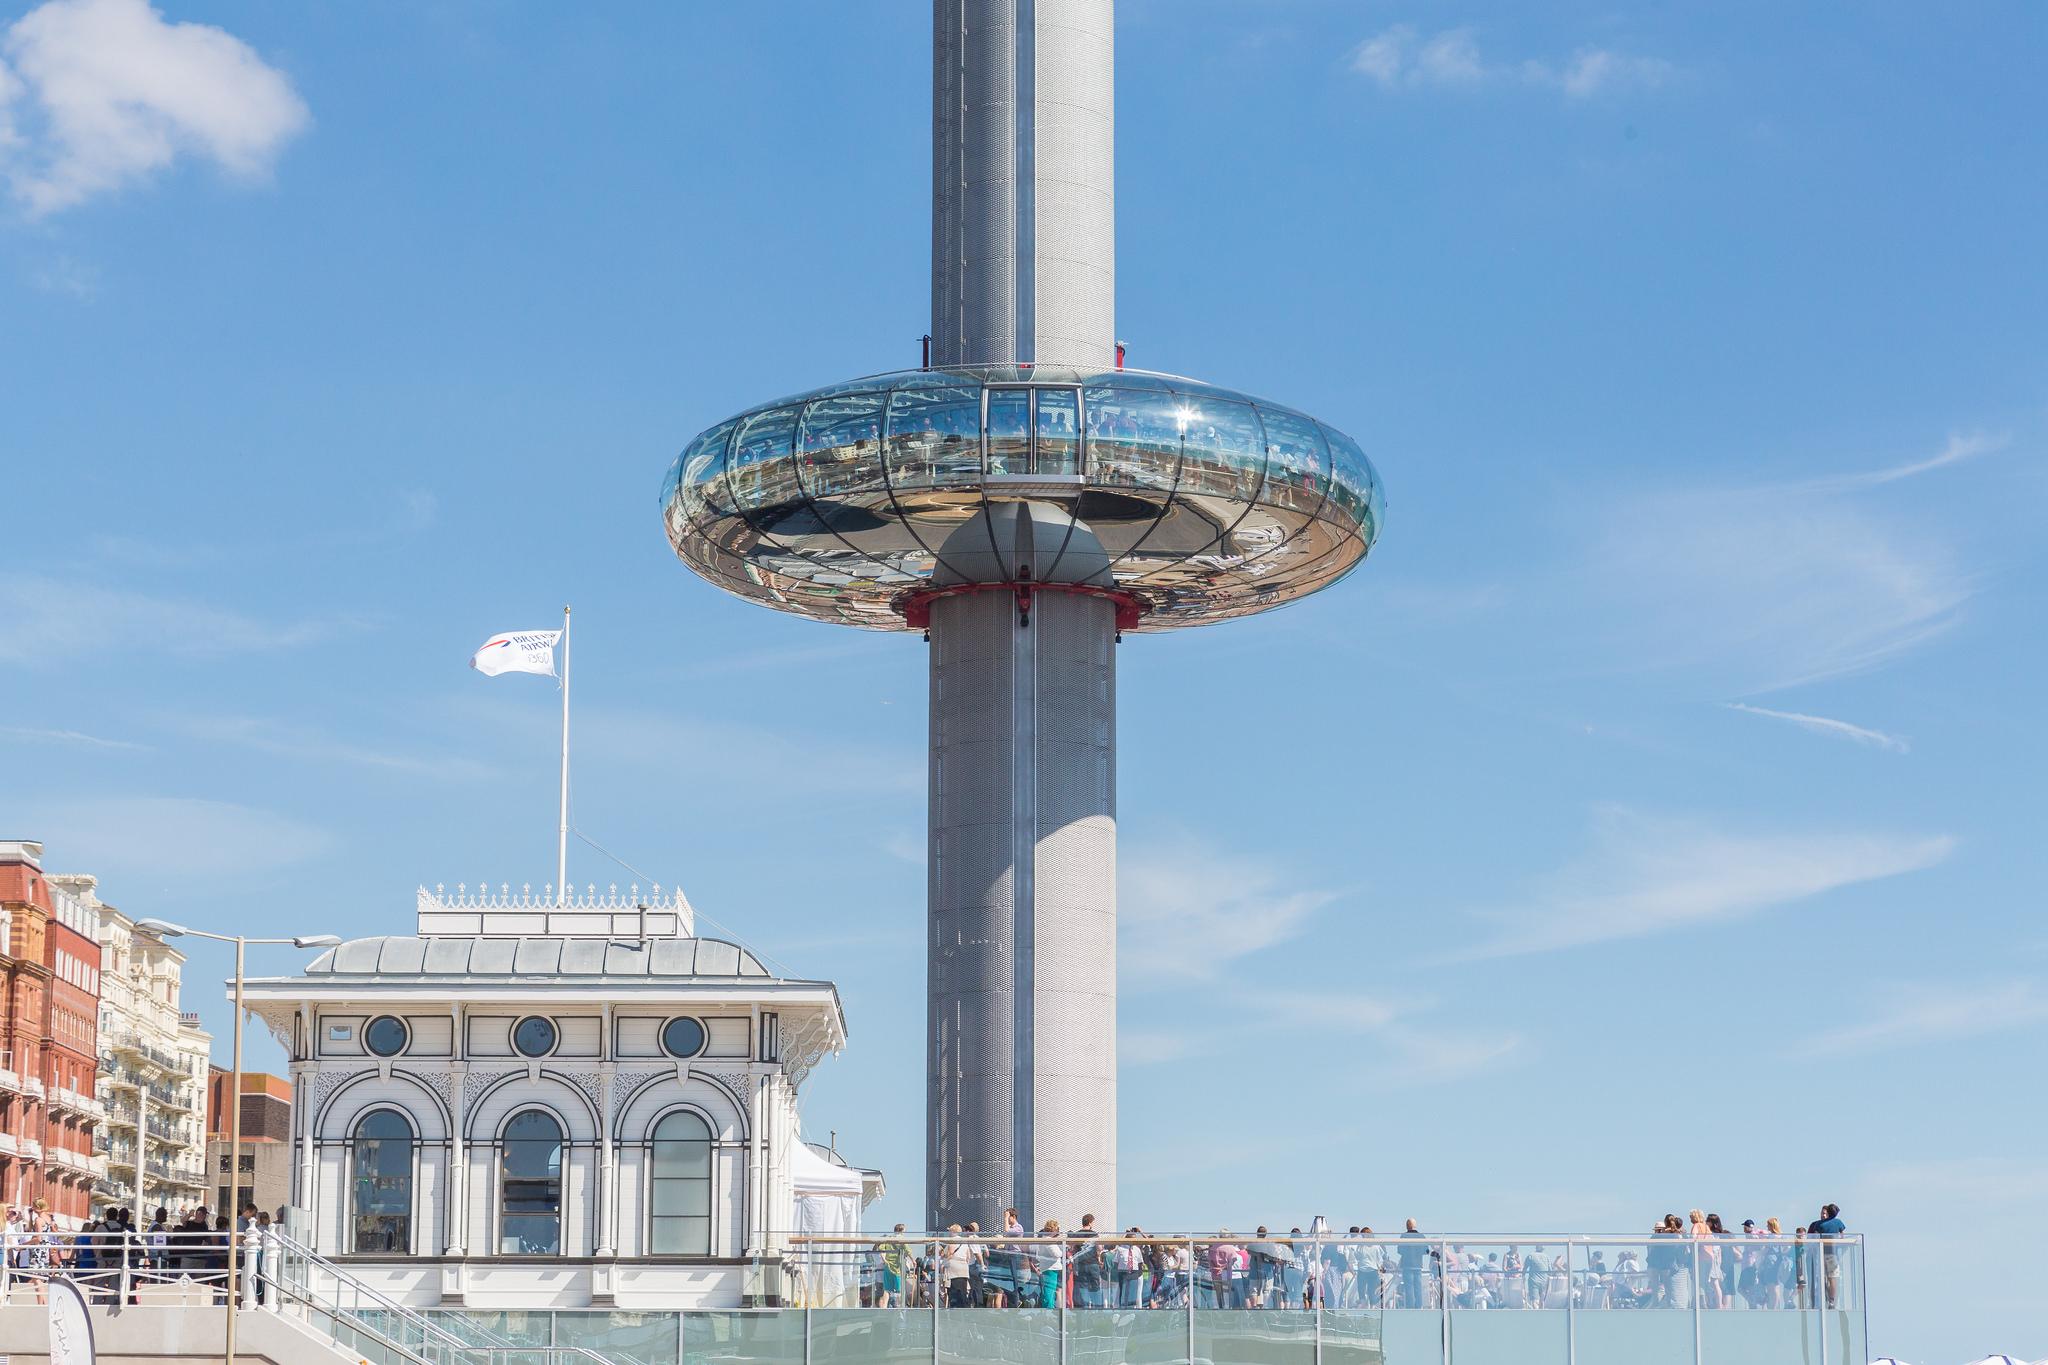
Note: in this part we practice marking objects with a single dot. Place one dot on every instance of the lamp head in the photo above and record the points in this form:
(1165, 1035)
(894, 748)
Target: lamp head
(162, 928)
(317, 941)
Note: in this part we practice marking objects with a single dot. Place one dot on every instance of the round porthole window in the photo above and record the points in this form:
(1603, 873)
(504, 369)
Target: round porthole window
(534, 1036)
(682, 1037)
(385, 1036)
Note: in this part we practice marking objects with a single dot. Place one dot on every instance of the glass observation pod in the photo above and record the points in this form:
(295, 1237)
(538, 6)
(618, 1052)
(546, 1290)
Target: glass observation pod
(838, 504)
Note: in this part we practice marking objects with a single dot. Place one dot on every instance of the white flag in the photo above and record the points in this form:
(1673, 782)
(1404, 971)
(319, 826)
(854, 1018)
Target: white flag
(517, 651)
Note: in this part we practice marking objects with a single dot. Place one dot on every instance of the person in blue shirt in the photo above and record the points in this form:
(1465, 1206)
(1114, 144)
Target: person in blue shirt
(1830, 1226)
(1413, 1259)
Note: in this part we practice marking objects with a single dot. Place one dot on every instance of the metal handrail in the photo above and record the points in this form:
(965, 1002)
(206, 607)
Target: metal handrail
(126, 1264)
(310, 1307)
(312, 1260)
(490, 1345)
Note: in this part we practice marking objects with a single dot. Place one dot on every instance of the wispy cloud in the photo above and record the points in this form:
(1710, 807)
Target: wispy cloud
(1647, 876)
(414, 510)
(157, 841)
(1598, 70)
(905, 847)
(1823, 725)
(299, 744)
(1389, 1042)
(1152, 1047)
(1186, 912)
(131, 551)
(1349, 1012)
(1960, 446)
(1439, 601)
(63, 274)
(1407, 1044)
(1404, 58)
(1936, 1014)
(31, 734)
(1946, 1184)
(98, 94)
(52, 620)
(1766, 588)
(862, 644)
(798, 767)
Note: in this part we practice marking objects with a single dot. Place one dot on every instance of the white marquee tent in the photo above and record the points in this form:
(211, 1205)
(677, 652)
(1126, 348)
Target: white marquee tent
(828, 1202)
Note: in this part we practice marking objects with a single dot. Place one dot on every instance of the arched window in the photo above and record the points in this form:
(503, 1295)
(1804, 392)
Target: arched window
(383, 1149)
(681, 1200)
(530, 1188)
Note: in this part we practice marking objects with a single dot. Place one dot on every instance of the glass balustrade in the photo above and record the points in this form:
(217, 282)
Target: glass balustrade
(913, 1300)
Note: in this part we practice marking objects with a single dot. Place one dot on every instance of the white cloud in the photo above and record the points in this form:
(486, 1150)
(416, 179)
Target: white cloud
(67, 737)
(415, 511)
(297, 744)
(105, 92)
(157, 841)
(1401, 58)
(1187, 912)
(1945, 1184)
(1822, 725)
(1150, 1047)
(1438, 601)
(747, 759)
(906, 847)
(51, 620)
(1449, 58)
(1430, 1054)
(1648, 876)
(1337, 1012)
(1936, 1014)
(63, 275)
(1406, 1046)
(1385, 57)
(1767, 588)
(1597, 71)
(1960, 446)
(1379, 1040)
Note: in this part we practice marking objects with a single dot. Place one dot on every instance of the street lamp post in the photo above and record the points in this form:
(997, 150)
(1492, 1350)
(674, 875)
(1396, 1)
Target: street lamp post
(166, 929)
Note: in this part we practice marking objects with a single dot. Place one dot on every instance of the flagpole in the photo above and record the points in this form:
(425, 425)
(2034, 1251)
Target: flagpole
(562, 829)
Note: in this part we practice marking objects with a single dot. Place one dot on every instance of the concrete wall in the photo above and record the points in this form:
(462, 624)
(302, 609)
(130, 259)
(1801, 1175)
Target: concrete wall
(134, 1335)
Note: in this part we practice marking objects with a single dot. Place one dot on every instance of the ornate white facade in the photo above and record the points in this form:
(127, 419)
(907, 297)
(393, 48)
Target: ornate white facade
(527, 1105)
(152, 1072)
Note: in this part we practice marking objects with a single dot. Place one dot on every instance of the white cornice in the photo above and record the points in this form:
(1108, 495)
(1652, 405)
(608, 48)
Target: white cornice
(576, 990)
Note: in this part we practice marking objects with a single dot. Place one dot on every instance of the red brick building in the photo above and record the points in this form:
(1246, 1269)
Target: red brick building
(49, 1039)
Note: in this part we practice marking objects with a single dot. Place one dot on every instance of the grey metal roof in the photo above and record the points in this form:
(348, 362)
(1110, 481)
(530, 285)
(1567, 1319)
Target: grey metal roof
(389, 955)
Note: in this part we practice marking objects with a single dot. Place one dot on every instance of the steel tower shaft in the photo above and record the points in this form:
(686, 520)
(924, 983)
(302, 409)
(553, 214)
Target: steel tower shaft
(1021, 972)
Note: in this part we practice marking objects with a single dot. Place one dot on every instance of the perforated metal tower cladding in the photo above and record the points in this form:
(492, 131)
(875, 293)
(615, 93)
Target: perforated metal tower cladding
(1023, 183)
(1022, 958)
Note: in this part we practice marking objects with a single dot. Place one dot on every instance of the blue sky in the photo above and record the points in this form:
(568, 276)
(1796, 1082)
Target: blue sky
(1653, 823)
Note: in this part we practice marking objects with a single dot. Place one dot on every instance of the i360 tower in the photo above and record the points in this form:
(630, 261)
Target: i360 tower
(1023, 500)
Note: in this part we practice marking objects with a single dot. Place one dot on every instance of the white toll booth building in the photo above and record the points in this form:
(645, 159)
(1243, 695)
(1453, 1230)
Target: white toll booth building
(528, 1104)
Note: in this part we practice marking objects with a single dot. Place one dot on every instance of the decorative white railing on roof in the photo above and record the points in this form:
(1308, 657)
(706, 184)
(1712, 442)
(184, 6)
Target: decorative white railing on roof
(526, 898)
(504, 912)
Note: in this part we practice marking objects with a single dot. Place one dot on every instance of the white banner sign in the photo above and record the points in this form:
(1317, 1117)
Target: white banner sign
(517, 651)
(70, 1325)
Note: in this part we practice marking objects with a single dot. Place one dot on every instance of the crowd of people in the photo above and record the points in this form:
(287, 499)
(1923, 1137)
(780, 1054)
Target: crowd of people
(1697, 1261)
(106, 1252)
